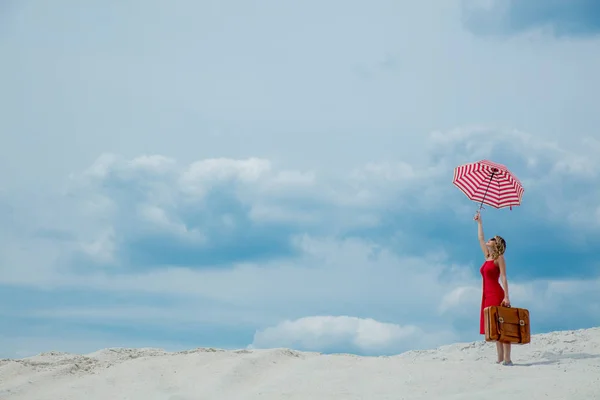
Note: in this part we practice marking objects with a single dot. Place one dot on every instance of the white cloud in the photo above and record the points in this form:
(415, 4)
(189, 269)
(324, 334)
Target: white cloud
(102, 166)
(224, 204)
(356, 198)
(128, 203)
(199, 176)
(328, 273)
(331, 333)
(542, 297)
(160, 221)
(102, 249)
(460, 298)
(277, 213)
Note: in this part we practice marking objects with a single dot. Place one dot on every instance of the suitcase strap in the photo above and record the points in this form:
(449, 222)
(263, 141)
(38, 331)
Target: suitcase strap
(521, 323)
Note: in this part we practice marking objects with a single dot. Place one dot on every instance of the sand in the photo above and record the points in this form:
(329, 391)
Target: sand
(558, 365)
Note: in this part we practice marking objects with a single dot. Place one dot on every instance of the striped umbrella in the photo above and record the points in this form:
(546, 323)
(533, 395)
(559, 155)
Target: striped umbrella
(489, 183)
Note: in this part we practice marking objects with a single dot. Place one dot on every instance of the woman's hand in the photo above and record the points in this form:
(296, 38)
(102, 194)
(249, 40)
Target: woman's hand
(477, 217)
(506, 302)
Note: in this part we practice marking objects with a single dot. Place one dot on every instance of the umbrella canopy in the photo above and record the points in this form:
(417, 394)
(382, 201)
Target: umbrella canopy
(489, 183)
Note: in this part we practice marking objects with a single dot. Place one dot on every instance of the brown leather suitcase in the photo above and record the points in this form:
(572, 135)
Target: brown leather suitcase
(507, 325)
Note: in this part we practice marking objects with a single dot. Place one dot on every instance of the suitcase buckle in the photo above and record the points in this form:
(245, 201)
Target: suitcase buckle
(521, 322)
(501, 320)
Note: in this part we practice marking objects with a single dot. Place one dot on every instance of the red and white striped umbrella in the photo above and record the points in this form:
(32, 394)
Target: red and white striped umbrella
(489, 183)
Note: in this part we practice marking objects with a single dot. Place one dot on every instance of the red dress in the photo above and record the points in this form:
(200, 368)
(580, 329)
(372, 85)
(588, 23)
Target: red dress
(493, 294)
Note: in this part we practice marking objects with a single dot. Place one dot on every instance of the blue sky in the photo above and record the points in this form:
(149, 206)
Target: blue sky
(235, 174)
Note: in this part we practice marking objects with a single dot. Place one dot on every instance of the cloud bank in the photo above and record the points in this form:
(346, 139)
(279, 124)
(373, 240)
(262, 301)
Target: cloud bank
(335, 334)
(377, 260)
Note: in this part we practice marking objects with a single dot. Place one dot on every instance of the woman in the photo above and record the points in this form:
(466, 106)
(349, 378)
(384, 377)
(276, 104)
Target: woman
(493, 269)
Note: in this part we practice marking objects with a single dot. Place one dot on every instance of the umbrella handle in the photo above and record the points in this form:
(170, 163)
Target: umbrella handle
(486, 189)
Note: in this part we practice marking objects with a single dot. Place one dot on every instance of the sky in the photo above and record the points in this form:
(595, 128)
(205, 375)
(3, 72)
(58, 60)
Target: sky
(265, 174)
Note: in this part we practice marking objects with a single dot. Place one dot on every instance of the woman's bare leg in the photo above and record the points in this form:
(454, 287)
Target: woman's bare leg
(506, 352)
(500, 350)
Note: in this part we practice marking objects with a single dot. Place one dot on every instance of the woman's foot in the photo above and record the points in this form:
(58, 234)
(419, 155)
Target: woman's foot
(507, 362)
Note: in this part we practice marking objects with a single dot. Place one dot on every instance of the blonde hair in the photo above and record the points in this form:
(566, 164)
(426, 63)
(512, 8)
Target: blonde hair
(498, 248)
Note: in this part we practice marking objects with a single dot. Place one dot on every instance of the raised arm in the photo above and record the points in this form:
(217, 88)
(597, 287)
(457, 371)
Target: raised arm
(480, 235)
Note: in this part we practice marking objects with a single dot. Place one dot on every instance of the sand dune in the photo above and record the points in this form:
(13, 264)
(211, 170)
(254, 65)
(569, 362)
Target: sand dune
(557, 365)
